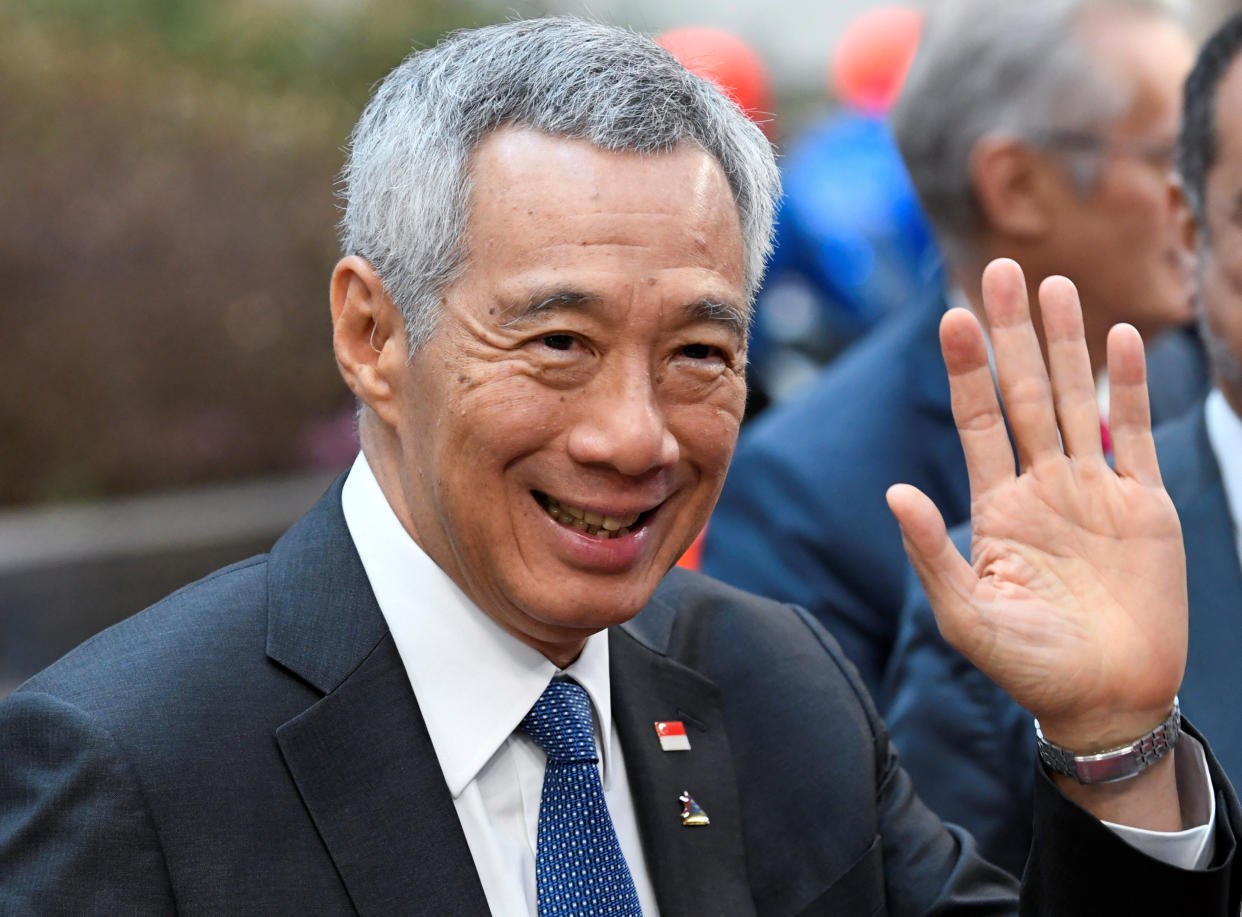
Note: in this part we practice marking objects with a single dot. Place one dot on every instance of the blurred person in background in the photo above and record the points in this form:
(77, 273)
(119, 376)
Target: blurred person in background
(958, 734)
(1043, 132)
(852, 243)
(437, 693)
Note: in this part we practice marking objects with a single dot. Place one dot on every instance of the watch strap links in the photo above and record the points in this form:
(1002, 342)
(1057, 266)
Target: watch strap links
(1117, 763)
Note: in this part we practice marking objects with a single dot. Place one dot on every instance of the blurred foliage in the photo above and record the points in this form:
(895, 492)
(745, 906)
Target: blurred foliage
(335, 47)
(169, 231)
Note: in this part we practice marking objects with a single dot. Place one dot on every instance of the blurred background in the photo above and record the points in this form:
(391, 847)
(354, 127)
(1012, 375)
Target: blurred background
(169, 399)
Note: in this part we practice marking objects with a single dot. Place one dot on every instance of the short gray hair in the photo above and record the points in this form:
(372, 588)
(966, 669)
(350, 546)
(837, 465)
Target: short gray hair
(406, 182)
(996, 68)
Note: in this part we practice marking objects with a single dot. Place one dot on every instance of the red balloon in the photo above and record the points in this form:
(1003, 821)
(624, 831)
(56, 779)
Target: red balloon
(873, 55)
(726, 60)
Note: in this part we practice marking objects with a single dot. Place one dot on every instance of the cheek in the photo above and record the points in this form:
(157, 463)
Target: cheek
(1222, 296)
(707, 431)
(496, 425)
(1139, 210)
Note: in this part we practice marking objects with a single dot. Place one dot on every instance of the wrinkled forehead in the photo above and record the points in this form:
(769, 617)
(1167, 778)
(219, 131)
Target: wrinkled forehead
(558, 151)
(563, 203)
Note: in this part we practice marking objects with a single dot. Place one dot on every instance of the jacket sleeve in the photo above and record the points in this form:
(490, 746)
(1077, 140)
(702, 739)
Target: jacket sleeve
(76, 835)
(930, 868)
(1078, 866)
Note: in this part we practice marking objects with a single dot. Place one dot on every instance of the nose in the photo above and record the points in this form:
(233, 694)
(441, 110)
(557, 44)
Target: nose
(622, 425)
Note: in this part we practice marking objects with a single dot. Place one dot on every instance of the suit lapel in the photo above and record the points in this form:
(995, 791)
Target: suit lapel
(374, 788)
(693, 869)
(1214, 577)
(361, 756)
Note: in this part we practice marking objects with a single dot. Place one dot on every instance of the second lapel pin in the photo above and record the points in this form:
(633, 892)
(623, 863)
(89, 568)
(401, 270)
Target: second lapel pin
(692, 814)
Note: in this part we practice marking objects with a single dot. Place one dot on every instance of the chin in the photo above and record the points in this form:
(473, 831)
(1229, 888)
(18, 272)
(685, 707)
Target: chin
(599, 608)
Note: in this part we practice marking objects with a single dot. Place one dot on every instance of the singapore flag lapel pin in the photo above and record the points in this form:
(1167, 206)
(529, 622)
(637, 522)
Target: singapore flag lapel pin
(672, 736)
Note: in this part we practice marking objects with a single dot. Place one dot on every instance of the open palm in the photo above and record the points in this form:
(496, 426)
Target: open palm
(1075, 598)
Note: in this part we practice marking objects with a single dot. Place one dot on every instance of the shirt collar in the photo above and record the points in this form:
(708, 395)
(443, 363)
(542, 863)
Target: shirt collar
(474, 681)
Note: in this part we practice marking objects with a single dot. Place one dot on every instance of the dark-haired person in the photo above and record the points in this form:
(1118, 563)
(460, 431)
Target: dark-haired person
(467, 683)
(958, 733)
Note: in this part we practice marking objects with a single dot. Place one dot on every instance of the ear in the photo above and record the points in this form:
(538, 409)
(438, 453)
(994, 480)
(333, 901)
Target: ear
(1011, 184)
(1186, 227)
(368, 334)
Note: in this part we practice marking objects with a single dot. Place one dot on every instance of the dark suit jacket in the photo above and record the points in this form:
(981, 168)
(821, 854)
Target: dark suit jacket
(252, 745)
(968, 747)
(803, 518)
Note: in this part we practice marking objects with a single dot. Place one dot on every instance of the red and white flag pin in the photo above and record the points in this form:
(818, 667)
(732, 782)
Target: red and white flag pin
(672, 736)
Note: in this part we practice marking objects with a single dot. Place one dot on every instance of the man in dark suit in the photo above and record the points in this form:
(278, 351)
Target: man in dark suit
(1040, 132)
(957, 731)
(468, 656)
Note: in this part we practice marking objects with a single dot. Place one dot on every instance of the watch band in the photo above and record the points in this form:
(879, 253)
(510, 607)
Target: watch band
(1116, 763)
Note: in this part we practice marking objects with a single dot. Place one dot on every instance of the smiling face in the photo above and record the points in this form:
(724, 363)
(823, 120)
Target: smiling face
(566, 430)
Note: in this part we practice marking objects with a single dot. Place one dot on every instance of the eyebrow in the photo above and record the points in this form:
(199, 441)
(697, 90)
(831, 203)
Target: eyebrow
(543, 302)
(722, 313)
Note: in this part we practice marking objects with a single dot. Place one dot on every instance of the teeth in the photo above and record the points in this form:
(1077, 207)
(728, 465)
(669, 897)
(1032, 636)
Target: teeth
(590, 522)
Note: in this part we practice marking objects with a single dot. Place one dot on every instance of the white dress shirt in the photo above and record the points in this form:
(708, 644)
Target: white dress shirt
(1224, 430)
(474, 683)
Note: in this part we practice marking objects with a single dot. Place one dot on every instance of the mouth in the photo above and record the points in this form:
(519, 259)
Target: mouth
(591, 522)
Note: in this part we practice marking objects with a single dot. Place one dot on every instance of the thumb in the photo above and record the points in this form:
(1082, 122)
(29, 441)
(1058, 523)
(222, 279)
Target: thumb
(947, 577)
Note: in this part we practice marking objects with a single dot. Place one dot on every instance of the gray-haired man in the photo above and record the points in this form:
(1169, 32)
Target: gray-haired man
(464, 682)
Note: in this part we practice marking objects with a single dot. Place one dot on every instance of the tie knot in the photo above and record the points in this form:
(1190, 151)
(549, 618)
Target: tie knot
(561, 723)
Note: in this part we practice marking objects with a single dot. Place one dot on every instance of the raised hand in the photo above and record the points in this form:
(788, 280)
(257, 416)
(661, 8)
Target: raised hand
(1074, 601)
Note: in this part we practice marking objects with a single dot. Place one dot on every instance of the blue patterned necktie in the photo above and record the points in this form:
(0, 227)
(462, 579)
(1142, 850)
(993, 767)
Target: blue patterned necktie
(580, 870)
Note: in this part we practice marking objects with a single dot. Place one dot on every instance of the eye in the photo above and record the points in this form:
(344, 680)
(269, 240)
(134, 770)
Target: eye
(700, 351)
(557, 341)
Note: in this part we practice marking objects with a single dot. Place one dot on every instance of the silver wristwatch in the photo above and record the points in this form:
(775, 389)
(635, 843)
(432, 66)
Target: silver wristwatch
(1116, 763)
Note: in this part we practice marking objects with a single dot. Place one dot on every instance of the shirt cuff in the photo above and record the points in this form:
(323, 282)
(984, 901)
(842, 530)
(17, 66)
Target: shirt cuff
(1190, 848)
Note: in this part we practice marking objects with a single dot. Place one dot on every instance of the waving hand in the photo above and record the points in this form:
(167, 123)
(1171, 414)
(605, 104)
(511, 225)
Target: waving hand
(1074, 600)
